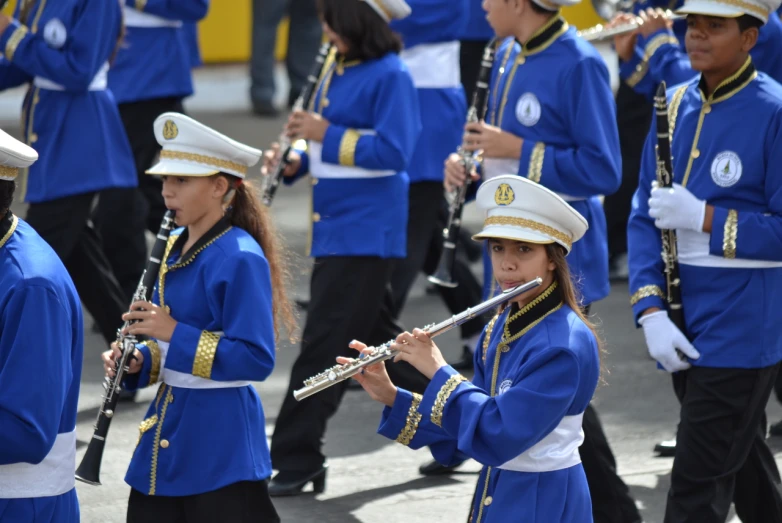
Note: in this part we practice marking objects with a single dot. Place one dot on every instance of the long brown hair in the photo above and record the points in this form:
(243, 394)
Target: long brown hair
(248, 213)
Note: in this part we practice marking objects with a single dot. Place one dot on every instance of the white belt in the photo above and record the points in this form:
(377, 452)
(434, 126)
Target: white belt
(693, 249)
(319, 169)
(188, 381)
(493, 167)
(53, 476)
(98, 83)
(433, 66)
(557, 451)
(135, 18)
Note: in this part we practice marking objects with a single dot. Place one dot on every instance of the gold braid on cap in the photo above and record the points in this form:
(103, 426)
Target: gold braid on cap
(529, 224)
(8, 173)
(211, 161)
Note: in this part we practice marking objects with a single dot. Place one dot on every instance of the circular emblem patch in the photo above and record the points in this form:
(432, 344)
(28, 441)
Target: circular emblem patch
(54, 33)
(504, 194)
(528, 109)
(170, 130)
(726, 169)
(504, 386)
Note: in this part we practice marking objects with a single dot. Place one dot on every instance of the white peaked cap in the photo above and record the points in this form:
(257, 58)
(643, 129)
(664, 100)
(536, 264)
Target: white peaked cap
(519, 209)
(555, 5)
(390, 9)
(14, 155)
(760, 9)
(193, 149)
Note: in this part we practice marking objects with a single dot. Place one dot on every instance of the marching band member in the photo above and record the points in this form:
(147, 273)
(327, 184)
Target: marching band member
(151, 75)
(431, 54)
(41, 335)
(567, 141)
(362, 130)
(219, 302)
(725, 206)
(70, 118)
(655, 52)
(535, 371)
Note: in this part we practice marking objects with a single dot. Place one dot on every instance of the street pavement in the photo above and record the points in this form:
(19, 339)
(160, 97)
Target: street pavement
(372, 479)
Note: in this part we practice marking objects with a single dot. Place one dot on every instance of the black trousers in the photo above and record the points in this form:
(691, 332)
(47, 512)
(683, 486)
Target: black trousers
(64, 225)
(242, 502)
(350, 298)
(721, 452)
(470, 54)
(427, 217)
(122, 215)
(634, 117)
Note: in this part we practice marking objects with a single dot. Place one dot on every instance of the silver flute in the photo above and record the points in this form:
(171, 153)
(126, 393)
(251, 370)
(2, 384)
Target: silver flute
(339, 373)
(599, 32)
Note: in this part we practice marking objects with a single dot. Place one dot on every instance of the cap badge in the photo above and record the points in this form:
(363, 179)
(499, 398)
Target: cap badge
(170, 130)
(504, 195)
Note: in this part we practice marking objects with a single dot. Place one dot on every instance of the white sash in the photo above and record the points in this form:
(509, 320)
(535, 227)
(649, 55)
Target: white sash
(693, 249)
(98, 83)
(558, 450)
(320, 169)
(493, 167)
(53, 476)
(188, 381)
(135, 18)
(433, 66)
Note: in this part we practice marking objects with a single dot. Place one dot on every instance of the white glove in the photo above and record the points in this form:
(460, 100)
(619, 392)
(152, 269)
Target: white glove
(662, 340)
(676, 208)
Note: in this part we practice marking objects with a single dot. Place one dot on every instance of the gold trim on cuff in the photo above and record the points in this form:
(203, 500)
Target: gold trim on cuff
(536, 162)
(730, 233)
(442, 398)
(347, 148)
(645, 292)
(205, 354)
(13, 42)
(154, 352)
(411, 424)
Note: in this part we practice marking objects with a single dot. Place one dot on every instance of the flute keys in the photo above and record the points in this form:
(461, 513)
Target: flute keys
(332, 376)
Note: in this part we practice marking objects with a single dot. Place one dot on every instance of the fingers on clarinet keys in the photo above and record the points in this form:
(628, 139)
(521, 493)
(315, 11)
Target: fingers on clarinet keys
(666, 343)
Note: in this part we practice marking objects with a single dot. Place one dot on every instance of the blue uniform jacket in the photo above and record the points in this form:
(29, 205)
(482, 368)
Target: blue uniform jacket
(155, 62)
(68, 116)
(726, 150)
(540, 380)
(220, 294)
(41, 334)
(359, 172)
(430, 35)
(571, 143)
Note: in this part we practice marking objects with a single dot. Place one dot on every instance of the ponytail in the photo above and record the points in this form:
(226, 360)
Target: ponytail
(249, 214)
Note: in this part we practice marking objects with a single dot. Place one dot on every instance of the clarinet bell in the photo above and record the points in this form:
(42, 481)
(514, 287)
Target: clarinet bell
(89, 468)
(443, 276)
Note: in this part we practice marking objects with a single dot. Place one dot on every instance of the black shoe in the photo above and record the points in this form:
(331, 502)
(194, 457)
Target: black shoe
(292, 483)
(775, 429)
(433, 468)
(265, 109)
(303, 304)
(466, 362)
(666, 449)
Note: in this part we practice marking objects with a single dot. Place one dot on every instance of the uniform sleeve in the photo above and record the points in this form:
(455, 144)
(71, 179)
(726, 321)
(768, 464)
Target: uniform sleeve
(593, 165)
(185, 10)
(667, 60)
(494, 430)
(33, 325)
(304, 167)
(644, 240)
(397, 125)
(11, 76)
(635, 73)
(754, 235)
(242, 300)
(76, 64)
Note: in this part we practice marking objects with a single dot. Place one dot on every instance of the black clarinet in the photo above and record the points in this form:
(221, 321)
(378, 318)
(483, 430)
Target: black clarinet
(665, 179)
(443, 276)
(89, 469)
(286, 144)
